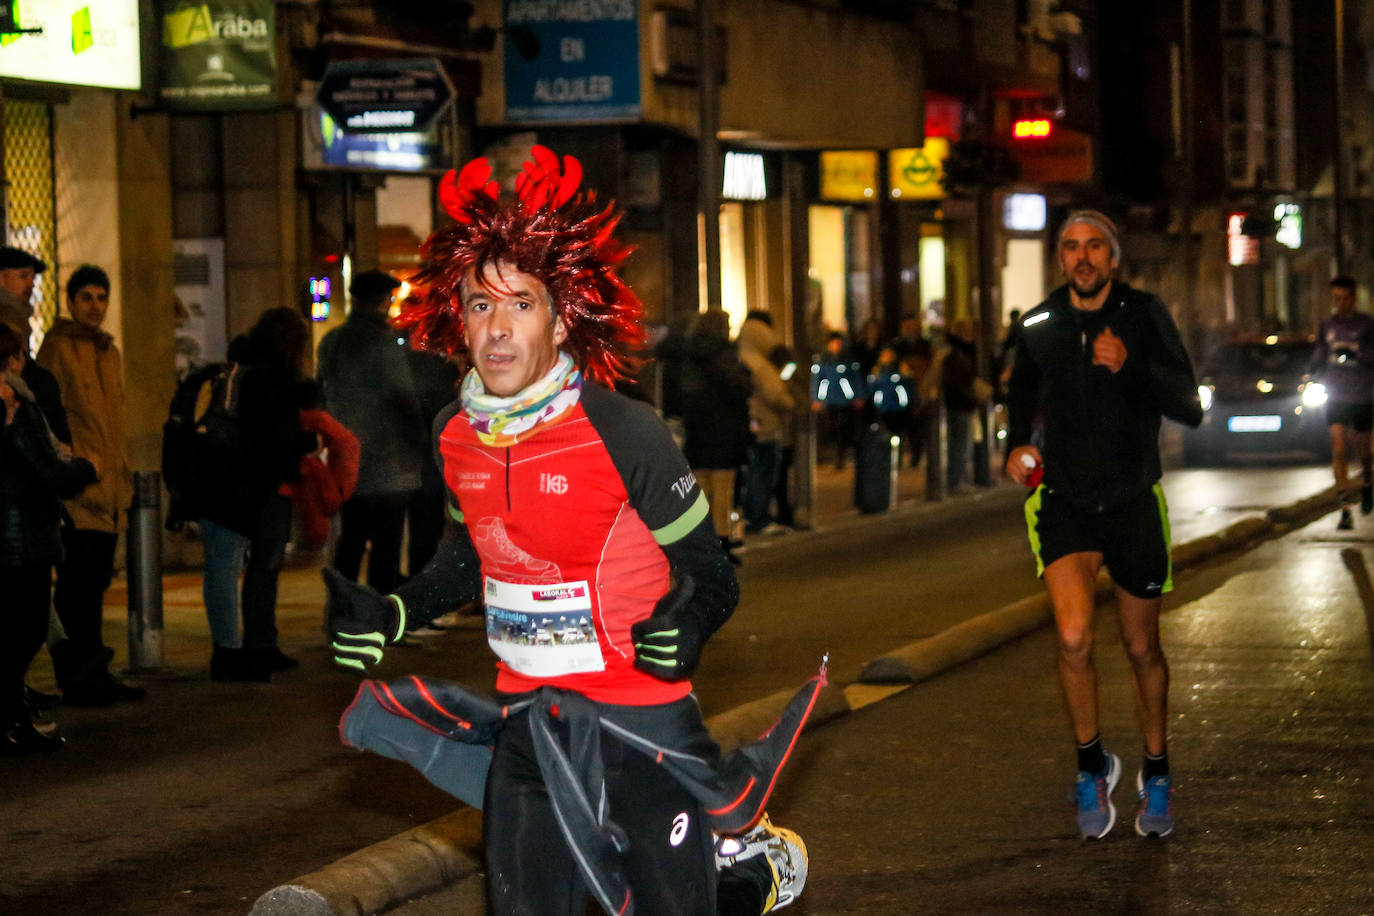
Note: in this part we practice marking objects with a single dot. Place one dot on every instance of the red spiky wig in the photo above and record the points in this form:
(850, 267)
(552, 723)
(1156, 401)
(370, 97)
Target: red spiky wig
(549, 231)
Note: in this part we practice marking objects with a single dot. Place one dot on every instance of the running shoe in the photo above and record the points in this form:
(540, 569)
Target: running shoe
(1347, 521)
(1156, 817)
(1366, 499)
(784, 851)
(1096, 813)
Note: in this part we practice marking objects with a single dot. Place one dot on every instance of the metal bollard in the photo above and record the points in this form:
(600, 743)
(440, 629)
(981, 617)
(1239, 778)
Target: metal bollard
(144, 564)
(893, 470)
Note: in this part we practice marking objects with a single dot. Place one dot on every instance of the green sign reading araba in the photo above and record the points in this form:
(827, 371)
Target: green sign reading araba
(218, 55)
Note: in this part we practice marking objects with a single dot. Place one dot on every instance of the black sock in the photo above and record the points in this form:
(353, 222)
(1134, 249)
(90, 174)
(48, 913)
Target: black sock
(1155, 765)
(743, 887)
(1090, 756)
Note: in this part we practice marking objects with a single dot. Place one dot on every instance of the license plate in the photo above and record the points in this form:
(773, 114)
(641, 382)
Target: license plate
(1265, 424)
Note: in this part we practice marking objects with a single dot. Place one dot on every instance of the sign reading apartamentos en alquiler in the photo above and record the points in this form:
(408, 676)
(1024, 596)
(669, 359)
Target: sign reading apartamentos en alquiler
(587, 67)
(384, 96)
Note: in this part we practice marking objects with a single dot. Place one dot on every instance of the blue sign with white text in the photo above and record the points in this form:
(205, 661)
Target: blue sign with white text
(587, 66)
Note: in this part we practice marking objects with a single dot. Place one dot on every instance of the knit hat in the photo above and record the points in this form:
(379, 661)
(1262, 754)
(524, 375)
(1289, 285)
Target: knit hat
(1098, 221)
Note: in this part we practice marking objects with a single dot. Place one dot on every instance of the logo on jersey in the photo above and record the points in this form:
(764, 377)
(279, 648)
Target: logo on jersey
(470, 480)
(679, 831)
(683, 485)
(557, 484)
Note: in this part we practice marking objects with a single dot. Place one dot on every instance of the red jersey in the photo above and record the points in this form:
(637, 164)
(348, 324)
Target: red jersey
(568, 525)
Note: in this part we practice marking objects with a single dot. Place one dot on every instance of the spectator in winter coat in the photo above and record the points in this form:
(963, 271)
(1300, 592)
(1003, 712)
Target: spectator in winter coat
(246, 520)
(83, 358)
(769, 405)
(715, 416)
(18, 271)
(369, 387)
(34, 476)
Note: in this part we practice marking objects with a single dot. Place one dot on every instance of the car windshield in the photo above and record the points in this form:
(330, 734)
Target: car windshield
(1249, 359)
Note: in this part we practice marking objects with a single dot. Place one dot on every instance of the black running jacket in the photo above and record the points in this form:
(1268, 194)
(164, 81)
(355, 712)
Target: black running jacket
(1100, 438)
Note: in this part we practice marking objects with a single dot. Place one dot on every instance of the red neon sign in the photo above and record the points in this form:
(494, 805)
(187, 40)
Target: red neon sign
(1032, 128)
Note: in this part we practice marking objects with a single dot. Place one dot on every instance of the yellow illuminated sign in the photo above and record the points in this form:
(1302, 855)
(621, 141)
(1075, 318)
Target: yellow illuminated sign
(915, 172)
(849, 175)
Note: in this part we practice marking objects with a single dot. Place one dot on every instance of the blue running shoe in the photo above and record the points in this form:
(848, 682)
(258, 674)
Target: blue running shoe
(1156, 817)
(1096, 813)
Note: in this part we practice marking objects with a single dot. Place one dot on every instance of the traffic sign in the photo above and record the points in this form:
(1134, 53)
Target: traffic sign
(384, 96)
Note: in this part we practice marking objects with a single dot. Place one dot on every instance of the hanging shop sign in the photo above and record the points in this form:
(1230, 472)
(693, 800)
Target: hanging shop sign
(75, 44)
(746, 177)
(384, 96)
(1288, 217)
(849, 175)
(219, 55)
(1024, 212)
(585, 68)
(1053, 155)
(327, 146)
(916, 172)
(1241, 249)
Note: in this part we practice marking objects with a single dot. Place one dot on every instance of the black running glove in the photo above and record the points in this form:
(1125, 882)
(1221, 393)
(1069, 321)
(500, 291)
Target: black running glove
(668, 644)
(360, 621)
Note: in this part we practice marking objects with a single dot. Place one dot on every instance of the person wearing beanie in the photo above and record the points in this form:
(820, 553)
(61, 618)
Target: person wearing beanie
(1101, 363)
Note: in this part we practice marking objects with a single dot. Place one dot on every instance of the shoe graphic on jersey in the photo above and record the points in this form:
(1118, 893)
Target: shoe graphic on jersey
(1156, 817)
(784, 852)
(502, 560)
(1096, 813)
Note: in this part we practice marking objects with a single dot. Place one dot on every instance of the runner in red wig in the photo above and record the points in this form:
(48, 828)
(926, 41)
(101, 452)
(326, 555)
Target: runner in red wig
(549, 230)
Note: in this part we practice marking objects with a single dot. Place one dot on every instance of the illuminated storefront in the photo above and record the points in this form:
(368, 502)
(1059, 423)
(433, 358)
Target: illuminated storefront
(59, 71)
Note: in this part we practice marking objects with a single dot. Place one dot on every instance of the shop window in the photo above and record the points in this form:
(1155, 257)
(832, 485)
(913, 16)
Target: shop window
(734, 264)
(31, 204)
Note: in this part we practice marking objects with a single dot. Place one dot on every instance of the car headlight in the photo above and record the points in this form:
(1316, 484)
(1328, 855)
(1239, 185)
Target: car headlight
(1204, 394)
(1313, 394)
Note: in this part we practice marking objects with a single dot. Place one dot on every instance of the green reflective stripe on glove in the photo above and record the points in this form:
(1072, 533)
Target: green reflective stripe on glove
(400, 617)
(668, 644)
(361, 621)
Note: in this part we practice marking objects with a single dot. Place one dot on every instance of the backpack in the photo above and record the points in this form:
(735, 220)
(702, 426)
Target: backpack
(201, 436)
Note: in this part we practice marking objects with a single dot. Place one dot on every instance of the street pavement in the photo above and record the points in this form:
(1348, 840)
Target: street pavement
(953, 797)
(809, 786)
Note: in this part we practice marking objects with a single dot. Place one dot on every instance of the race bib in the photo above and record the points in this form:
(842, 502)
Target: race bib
(542, 630)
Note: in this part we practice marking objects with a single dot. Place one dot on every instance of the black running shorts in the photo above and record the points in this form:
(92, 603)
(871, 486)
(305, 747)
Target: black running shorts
(1133, 538)
(1357, 416)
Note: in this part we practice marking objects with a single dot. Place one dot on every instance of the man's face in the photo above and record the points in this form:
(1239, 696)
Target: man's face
(1343, 300)
(1085, 256)
(89, 305)
(510, 328)
(18, 281)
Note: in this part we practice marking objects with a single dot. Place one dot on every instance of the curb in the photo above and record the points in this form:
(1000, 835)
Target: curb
(447, 849)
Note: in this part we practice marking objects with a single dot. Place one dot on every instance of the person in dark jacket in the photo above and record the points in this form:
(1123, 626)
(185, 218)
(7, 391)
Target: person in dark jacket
(1107, 362)
(245, 517)
(369, 387)
(715, 416)
(958, 371)
(34, 477)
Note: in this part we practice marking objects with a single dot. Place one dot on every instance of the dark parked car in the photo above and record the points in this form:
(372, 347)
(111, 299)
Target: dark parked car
(1257, 398)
